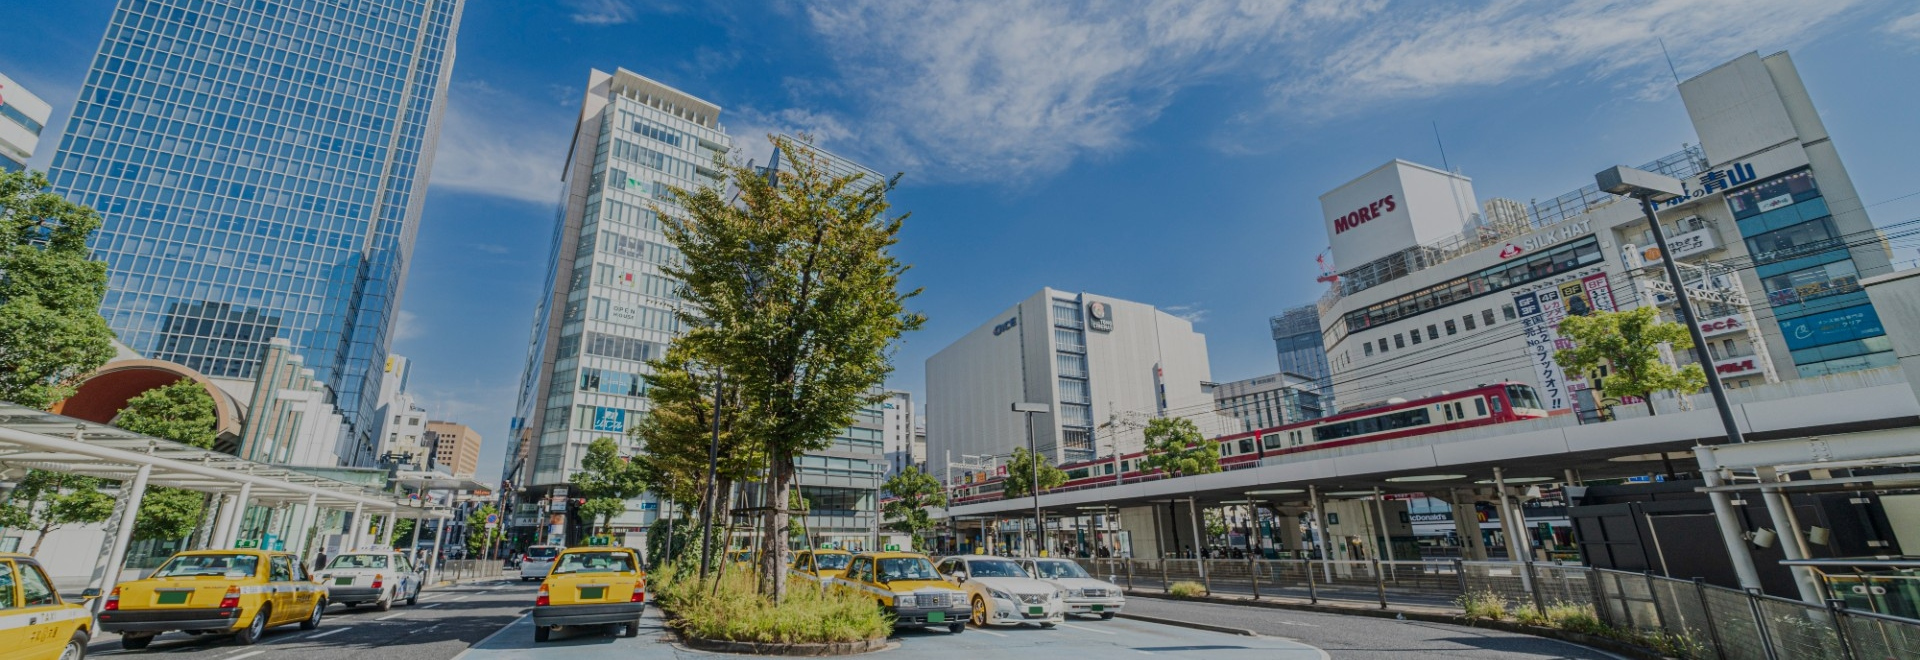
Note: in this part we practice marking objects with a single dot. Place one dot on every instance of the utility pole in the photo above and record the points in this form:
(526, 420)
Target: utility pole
(1033, 455)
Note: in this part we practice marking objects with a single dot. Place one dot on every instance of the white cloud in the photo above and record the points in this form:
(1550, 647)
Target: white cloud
(960, 89)
(600, 12)
(492, 144)
(750, 129)
(1905, 28)
(407, 327)
(1192, 313)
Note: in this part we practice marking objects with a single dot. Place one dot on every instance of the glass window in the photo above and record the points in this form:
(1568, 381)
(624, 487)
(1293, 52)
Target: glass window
(1398, 342)
(209, 564)
(359, 561)
(1508, 312)
(612, 561)
(1433, 332)
(1367, 349)
(1486, 315)
(1468, 321)
(1816, 282)
(281, 569)
(1383, 344)
(6, 586)
(1774, 193)
(1414, 336)
(35, 589)
(1451, 329)
(1795, 241)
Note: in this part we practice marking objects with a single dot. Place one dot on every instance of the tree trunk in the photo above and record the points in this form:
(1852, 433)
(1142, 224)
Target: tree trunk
(775, 540)
(44, 531)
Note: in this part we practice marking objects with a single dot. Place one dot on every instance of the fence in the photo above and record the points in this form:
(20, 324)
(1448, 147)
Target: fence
(469, 569)
(1705, 620)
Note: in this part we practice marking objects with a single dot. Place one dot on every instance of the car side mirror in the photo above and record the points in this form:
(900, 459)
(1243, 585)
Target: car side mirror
(89, 594)
(959, 576)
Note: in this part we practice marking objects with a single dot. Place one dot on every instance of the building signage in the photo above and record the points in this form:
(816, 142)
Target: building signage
(1682, 246)
(1599, 291)
(1363, 214)
(1431, 517)
(1556, 235)
(1005, 326)
(1740, 366)
(623, 314)
(1711, 182)
(1722, 325)
(1100, 316)
(1857, 322)
(1540, 347)
(611, 420)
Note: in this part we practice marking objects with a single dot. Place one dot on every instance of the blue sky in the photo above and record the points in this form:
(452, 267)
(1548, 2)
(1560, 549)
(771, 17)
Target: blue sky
(1165, 151)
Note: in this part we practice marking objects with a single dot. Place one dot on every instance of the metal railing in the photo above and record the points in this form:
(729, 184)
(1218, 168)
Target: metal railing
(471, 569)
(1694, 618)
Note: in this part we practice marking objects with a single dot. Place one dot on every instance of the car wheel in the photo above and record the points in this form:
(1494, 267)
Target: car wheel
(979, 611)
(540, 633)
(383, 604)
(254, 631)
(633, 628)
(957, 627)
(1106, 616)
(1047, 626)
(313, 620)
(135, 642)
(76, 647)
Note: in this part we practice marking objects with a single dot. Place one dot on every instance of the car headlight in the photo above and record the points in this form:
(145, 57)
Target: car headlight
(996, 593)
(1059, 595)
(908, 600)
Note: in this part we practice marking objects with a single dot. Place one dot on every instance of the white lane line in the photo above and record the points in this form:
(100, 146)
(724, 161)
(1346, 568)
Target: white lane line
(984, 631)
(247, 655)
(483, 642)
(450, 600)
(431, 596)
(329, 632)
(429, 606)
(1091, 630)
(391, 616)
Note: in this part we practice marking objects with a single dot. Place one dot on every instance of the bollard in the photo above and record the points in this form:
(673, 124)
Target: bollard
(1206, 576)
(1166, 585)
(1379, 582)
(1253, 575)
(1313, 592)
(1129, 563)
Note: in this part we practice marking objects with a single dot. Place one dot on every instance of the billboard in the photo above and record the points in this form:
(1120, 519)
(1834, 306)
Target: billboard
(1396, 206)
(1541, 311)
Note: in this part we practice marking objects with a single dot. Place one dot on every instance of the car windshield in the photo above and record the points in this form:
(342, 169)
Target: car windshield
(594, 562)
(906, 568)
(359, 561)
(1058, 570)
(542, 553)
(191, 565)
(982, 568)
(832, 562)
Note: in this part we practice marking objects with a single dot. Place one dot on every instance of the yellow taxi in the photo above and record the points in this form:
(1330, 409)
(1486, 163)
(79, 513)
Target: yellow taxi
(591, 586)
(820, 565)
(239, 592)
(34, 622)
(906, 586)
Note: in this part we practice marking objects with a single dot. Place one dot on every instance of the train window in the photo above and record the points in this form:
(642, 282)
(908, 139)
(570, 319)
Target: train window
(1077, 474)
(1246, 445)
(1299, 438)
(1451, 328)
(1448, 410)
(1487, 316)
(1271, 441)
(1398, 342)
(1459, 410)
(1480, 407)
(1433, 332)
(1496, 403)
(1415, 336)
(1106, 468)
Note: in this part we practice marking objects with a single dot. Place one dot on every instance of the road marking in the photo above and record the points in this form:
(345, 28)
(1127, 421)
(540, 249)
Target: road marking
(1091, 630)
(329, 632)
(984, 631)
(1297, 623)
(450, 600)
(483, 642)
(391, 616)
(431, 596)
(429, 606)
(247, 655)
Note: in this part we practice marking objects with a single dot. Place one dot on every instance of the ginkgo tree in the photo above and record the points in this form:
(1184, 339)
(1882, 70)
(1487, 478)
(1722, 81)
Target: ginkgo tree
(1628, 343)
(1176, 447)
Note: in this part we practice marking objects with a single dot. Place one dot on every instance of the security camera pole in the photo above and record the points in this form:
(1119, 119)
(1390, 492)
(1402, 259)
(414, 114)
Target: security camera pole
(1039, 529)
(1649, 187)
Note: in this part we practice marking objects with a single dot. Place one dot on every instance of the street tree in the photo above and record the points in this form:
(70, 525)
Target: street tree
(1176, 447)
(1020, 474)
(480, 535)
(51, 331)
(1627, 343)
(606, 481)
(45, 501)
(182, 412)
(403, 529)
(914, 492)
(793, 296)
(677, 432)
(600, 512)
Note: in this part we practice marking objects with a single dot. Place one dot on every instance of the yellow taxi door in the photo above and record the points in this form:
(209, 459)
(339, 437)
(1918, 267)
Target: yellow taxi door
(14, 629)
(306, 595)
(282, 592)
(49, 621)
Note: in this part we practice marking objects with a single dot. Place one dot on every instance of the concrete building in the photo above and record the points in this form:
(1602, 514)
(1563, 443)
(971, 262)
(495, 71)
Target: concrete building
(291, 419)
(1094, 359)
(455, 447)
(402, 422)
(1296, 336)
(903, 439)
(1268, 401)
(22, 117)
(1771, 264)
(607, 307)
(238, 206)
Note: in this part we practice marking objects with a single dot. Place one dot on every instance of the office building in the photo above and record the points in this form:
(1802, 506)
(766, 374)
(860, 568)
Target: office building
(898, 433)
(1267, 401)
(1296, 336)
(1771, 240)
(456, 448)
(22, 117)
(400, 422)
(290, 415)
(260, 169)
(607, 306)
(1092, 359)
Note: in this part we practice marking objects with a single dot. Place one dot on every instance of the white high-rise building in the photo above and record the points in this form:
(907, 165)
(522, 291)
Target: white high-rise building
(898, 423)
(402, 424)
(22, 117)
(608, 306)
(1093, 359)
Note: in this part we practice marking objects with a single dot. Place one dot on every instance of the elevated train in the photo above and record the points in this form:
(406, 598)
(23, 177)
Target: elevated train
(1480, 406)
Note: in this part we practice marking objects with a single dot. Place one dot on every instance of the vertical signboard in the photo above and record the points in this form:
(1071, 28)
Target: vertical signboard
(1540, 347)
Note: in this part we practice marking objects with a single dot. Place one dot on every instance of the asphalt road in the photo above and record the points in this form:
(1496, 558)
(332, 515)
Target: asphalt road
(1354, 637)
(447, 621)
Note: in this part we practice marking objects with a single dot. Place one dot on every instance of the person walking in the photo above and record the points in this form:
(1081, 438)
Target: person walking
(319, 560)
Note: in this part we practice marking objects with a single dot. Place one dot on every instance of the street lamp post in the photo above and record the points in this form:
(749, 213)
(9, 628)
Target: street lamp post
(1033, 455)
(1649, 187)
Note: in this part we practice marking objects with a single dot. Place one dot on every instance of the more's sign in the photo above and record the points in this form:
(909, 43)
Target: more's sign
(1396, 206)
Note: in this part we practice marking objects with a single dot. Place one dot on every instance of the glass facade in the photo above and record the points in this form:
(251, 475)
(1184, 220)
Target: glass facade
(1809, 276)
(260, 167)
(1075, 402)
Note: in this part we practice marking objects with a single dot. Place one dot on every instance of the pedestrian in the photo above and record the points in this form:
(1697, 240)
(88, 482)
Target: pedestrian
(319, 560)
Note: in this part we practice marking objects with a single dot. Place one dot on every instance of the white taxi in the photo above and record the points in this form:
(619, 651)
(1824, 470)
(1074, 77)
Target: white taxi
(1002, 593)
(1086, 594)
(375, 576)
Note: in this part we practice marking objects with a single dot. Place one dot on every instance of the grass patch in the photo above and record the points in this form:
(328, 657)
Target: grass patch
(1187, 590)
(1577, 618)
(1483, 605)
(737, 612)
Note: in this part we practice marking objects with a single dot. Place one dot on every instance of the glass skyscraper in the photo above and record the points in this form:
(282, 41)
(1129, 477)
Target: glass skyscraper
(1296, 336)
(261, 168)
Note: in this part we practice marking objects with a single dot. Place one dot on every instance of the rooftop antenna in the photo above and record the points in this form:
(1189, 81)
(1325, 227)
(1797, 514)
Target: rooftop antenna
(1669, 56)
(1443, 147)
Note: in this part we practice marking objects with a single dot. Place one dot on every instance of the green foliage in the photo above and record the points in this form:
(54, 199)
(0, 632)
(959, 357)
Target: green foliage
(403, 529)
(168, 514)
(914, 492)
(677, 431)
(51, 331)
(1187, 590)
(479, 536)
(600, 511)
(686, 540)
(1019, 477)
(793, 294)
(46, 501)
(1630, 342)
(1176, 447)
(1483, 605)
(182, 412)
(604, 473)
(735, 611)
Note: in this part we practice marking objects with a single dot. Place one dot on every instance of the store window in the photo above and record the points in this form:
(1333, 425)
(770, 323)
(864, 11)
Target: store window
(1796, 241)
(1811, 283)
(1775, 193)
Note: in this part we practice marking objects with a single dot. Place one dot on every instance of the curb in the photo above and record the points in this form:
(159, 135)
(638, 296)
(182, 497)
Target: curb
(1600, 643)
(1188, 624)
(799, 650)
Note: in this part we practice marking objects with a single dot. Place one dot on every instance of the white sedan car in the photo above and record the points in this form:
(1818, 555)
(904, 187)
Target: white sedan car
(537, 561)
(379, 577)
(1002, 593)
(1086, 594)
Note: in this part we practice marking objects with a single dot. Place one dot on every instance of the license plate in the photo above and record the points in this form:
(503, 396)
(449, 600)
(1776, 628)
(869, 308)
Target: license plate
(173, 597)
(936, 617)
(1099, 608)
(341, 582)
(593, 593)
(1036, 610)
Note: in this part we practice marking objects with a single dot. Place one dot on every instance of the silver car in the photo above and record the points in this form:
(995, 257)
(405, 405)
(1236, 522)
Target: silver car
(1086, 594)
